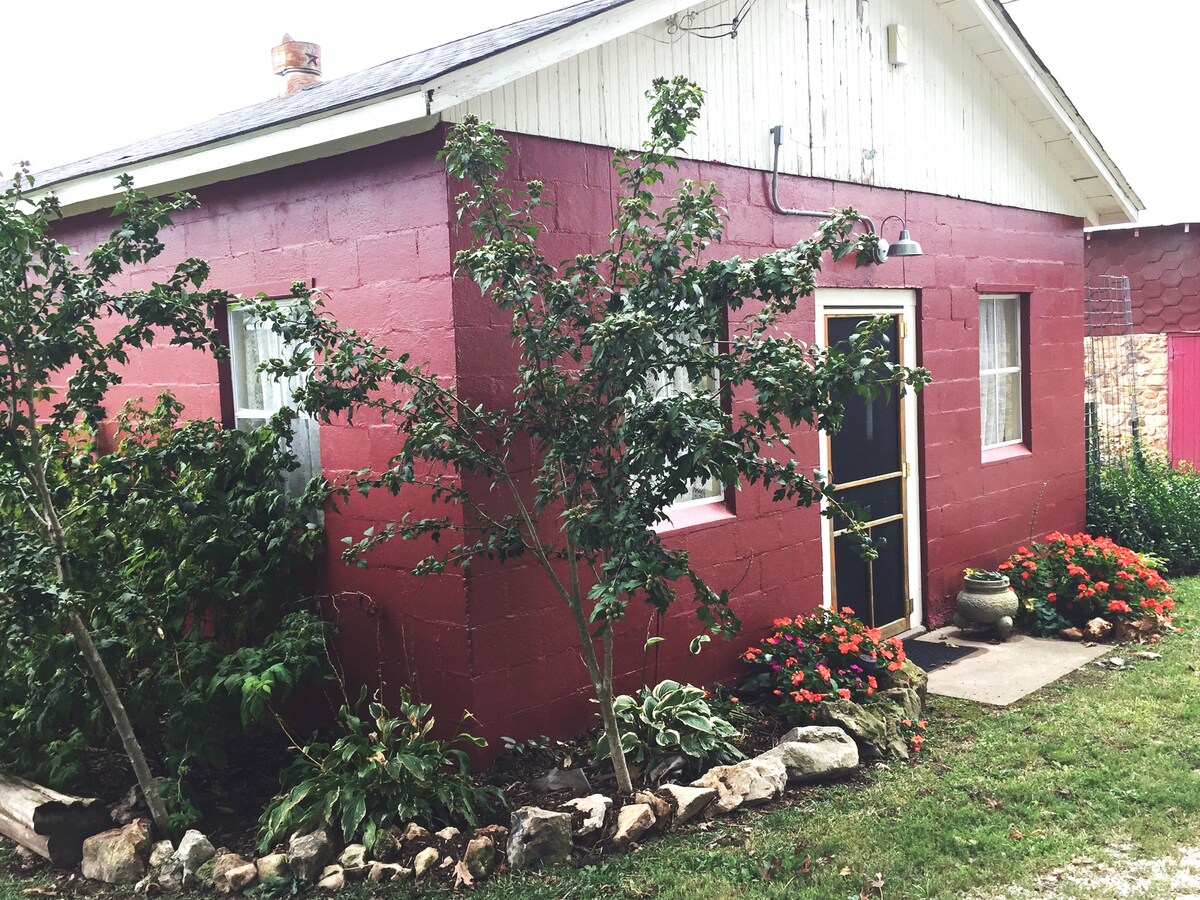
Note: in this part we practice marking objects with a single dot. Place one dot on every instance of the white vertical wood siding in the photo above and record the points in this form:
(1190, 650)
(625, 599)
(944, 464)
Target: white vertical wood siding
(943, 124)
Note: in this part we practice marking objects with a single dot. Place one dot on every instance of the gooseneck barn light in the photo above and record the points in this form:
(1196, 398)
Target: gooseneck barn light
(904, 246)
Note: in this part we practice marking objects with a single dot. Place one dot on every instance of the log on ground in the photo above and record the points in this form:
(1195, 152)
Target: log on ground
(51, 824)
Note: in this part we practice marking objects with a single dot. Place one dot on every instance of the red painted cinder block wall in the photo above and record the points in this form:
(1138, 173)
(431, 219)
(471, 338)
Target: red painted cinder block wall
(1163, 265)
(372, 229)
(369, 229)
(529, 678)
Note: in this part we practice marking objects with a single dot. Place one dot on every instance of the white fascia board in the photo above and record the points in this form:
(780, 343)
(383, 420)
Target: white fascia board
(1057, 103)
(463, 84)
(329, 133)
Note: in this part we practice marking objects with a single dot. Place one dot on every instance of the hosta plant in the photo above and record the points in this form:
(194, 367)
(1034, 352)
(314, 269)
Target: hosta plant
(827, 655)
(1072, 579)
(385, 769)
(671, 719)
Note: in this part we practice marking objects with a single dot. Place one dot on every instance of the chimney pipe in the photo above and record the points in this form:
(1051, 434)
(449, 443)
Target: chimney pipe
(297, 61)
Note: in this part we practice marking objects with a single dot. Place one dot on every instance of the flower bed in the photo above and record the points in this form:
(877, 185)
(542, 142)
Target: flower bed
(810, 659)
(1072, 580)
(831, 668)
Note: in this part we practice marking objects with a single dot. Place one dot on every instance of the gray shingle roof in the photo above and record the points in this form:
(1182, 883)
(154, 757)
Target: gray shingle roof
(387, 78)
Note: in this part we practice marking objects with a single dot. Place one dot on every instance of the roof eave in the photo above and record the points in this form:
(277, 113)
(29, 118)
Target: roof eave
(1005, 30)
(328, 133)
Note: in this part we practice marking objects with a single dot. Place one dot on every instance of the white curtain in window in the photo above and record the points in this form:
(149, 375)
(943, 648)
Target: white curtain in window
(257, 395)
(1000, 370)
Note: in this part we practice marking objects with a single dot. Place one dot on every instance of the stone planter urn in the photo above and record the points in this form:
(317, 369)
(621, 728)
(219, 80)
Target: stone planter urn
(987, 601)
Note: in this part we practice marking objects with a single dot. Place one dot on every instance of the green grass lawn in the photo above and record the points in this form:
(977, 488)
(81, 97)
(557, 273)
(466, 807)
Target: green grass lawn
(999, 795)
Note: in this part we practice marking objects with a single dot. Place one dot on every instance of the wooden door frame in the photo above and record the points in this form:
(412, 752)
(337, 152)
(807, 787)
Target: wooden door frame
(903, 303)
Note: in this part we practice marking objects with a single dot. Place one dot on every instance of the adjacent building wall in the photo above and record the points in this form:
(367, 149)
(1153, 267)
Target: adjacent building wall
(1162, 263)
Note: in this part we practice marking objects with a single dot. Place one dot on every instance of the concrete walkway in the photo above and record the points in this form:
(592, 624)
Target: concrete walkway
(1000, 674)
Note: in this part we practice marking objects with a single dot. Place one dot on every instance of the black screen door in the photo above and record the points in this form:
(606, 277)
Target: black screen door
(866, 463)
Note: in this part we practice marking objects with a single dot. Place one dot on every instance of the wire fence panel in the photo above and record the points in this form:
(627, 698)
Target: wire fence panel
(1110, 378)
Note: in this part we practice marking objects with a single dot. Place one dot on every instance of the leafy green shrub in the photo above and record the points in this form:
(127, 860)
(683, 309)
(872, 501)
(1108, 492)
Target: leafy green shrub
(383, 770)
(1072, 579)
(668, 719)
(1150, 506)
(810, 659)
(186, 555)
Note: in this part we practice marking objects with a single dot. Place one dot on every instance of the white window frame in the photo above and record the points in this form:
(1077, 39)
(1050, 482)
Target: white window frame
(1001, 372)
(306, 439)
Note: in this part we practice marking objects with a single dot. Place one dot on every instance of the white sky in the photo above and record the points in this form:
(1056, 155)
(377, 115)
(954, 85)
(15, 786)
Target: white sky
(100, 75)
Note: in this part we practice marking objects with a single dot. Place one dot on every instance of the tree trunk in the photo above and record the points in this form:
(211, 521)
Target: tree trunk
(602, 682)
(83, 637)
(608, 715)
(108, 690)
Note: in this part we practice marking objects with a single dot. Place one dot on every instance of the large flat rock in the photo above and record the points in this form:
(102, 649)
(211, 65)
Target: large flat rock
(1001, 674)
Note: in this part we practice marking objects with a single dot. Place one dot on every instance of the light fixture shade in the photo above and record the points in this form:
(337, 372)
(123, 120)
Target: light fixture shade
(905, 246)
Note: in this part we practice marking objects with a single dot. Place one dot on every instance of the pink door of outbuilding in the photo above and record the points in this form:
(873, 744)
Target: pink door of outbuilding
(1183, 398)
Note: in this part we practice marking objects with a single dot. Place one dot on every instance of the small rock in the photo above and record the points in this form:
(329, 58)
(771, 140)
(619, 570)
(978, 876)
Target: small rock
(353, 857)
(232, 873)
(205, 876)
(480, 857)
(132, 805)
(425, 860)
(273, 867)
(497, 833)
(665, 769)
(308, 854)
(387, 846)
(1146, 654)
(384, 872)
(743, 784)
(689, 802)
(874, 725)
(124, 810)
(660, 807)
(1097, 628)
(147, 885)
(332, 879)
(912, 676)
(633, 821)
(414, 832)
(595, 809)
(160, 853)
(818, 751)
(573, 780)
(118, 856)
(1071, 634)
(171, 876)
(538, 836)
(773, 771)
(331, 869)
(1113, 662)
(194, 850)
(449, 833)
